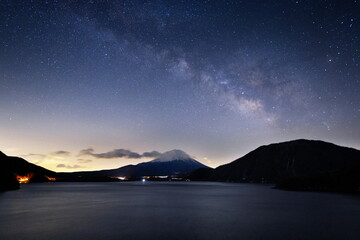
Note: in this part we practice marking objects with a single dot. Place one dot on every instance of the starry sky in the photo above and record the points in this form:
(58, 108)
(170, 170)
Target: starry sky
(92, 84)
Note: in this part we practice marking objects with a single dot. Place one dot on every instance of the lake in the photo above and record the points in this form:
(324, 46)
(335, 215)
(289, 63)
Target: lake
(174, 210)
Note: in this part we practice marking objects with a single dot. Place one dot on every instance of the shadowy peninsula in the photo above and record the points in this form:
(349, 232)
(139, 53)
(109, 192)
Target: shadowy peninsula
(306, 165)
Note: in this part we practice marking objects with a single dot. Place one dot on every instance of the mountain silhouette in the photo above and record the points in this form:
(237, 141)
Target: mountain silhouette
(294, 165)
(15, 167)
(8, 180)
(171, 163)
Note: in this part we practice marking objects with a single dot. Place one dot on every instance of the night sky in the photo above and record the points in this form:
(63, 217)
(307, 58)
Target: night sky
(99, 84)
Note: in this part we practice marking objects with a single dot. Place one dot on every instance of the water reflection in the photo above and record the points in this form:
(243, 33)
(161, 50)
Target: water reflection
(171, 210)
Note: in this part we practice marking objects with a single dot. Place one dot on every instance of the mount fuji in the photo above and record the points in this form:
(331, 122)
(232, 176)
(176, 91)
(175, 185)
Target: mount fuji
(171, 163)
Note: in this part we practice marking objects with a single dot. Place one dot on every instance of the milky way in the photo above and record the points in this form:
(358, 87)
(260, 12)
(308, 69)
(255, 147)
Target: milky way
(213, 78)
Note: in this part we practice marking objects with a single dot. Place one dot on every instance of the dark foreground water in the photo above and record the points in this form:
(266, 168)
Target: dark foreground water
(180, 210)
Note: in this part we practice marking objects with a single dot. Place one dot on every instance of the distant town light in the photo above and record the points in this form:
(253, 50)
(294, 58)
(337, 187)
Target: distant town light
(51, 179)
(24, 179)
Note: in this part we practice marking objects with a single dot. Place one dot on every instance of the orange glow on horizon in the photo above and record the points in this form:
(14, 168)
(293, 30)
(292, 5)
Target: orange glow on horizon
(24, 179)
(120, 178)
(50, 178)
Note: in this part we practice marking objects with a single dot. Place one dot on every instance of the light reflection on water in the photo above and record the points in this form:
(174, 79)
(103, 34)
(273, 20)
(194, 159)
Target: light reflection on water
(174, 210)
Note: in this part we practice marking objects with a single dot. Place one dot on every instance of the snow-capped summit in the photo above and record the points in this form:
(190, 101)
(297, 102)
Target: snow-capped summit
(171, 163)
(172, 156)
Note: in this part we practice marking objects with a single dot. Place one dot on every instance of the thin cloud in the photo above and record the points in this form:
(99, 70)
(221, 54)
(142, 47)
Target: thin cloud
(61, 153)
(69, 166)
(118, 153)
(84, 160)
(152, 154)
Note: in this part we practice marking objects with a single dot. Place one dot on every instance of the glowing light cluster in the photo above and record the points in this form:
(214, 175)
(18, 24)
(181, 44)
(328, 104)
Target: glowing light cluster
(24, 179)
(120, 178)
(51, 179)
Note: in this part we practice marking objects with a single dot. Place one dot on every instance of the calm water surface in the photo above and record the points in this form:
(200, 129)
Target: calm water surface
(174, 210)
